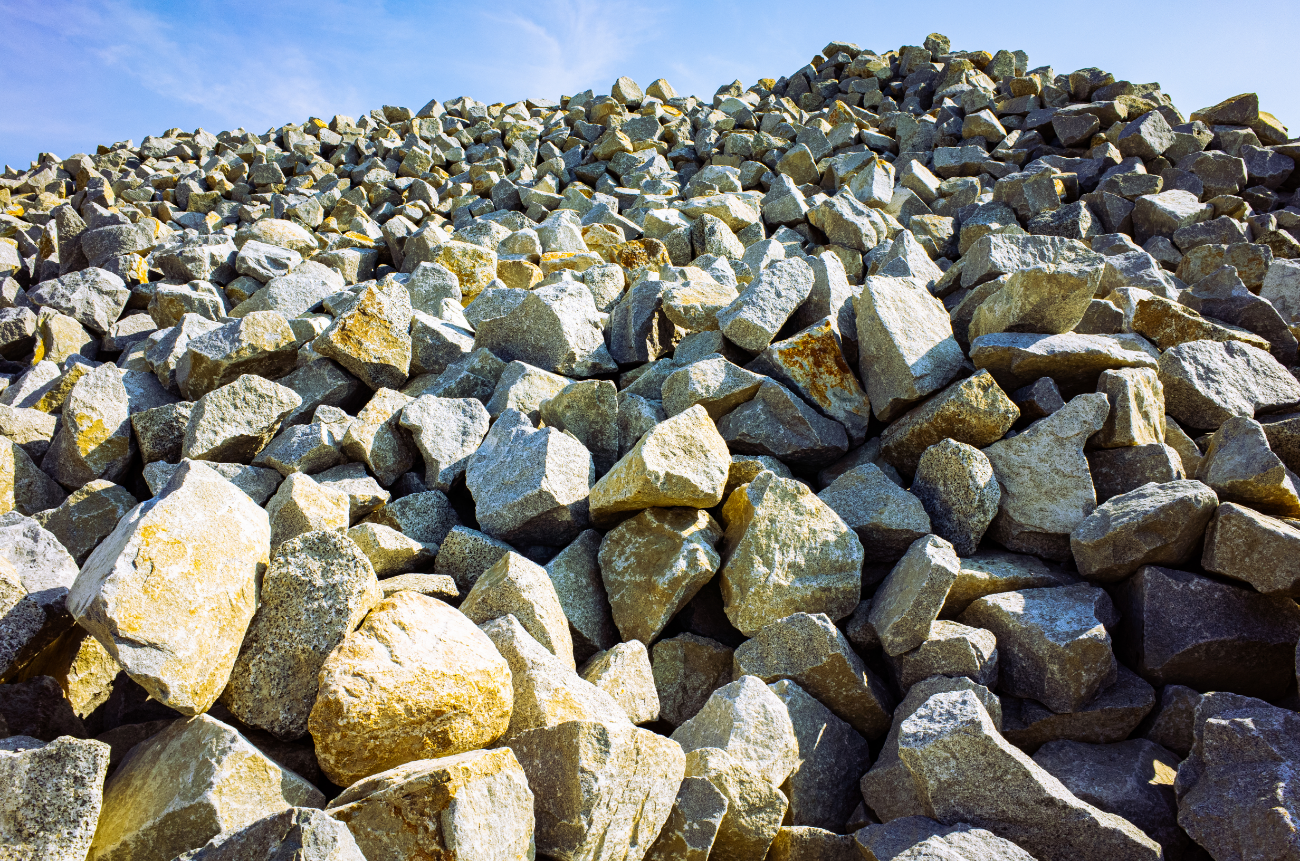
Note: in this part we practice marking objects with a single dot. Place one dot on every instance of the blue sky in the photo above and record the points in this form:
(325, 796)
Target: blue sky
(79, 74)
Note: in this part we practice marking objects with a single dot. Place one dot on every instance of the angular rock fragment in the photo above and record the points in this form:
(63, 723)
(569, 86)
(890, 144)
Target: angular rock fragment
(195, 779)
(949, 649)
(372, 340)
(315, 592)
(974, 411)
(885, 517)
(530, 485)
(955, 483)
(914, 838)
(233, 423)
(750, 723)
(305, 829)
(779, 424)
(555, 327)
(1111, 716)
(262, 343)
(468, 805)
(912, 595)
(517, 587)
(1053, 644)
(625, 674)
(53, 796)
(300, 505)
(1240, 467)
(589, 411)
(1157, 524)
(784, 551)
(755, 806)
(693, 823)
(1207, 382)
(753, 320)
(209, 543)
(377, 439)
(1252, 548)
(687, 669)
(575, 572)
(679, 462)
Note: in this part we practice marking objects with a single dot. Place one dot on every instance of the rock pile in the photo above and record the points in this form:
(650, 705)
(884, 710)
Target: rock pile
(894, 460)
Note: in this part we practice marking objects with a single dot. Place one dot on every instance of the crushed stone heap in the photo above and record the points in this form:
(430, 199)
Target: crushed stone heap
(894, 460)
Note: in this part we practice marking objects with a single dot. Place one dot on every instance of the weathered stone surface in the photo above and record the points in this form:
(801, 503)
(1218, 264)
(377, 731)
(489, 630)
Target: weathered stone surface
(823, 788)
(310, 834)
(777, 423)
(261, 343)
(525, 388)
(918, 838)
(887, 788)
(575, 571)
(171, 591)
(688, 668)
(1157, 524)
(1253, 548)
(1187, 629)
(1053, 644)
(372, 339)
(905, 344)
(1240, 467)
(1133, 779)
(679, 462)
(1046, 487)
(955, 483)
(991, 571)
(53, 794)
(93, 297)
(547, 692)
(390, 552)
(654, 563)
(1235, 790)
(317, 589)
(810, 650)
(1016, 359)
(300, 505)
(377, 439)
(1111, 716)
(626, 780)
(813, 365)
(713, 382)
(195, 779)
(555, 327)
(234, 422)
(1170, 723)
(885, 517)
(417, 679)
(693, 823)
(530, 485)
(974, 411)
(753, 320)
(426, 516)
(312, 448)
(1207, 382)
(750, 723)
(1029, 807)
(755, 807)
(1049, 298)
(24, 488)
(465, 806)
(949, 649)
(32, 430)
(625, 674)
(588, 410)
(1117, 471)
(912, 595)
(87, 516)
(515, 586)
(257, 482)
(784, 551)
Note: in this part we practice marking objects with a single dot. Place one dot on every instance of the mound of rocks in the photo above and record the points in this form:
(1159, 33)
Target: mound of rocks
(894, 460)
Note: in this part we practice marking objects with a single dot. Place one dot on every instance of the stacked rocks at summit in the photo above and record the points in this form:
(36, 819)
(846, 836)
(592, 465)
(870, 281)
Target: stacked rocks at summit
(894, 460)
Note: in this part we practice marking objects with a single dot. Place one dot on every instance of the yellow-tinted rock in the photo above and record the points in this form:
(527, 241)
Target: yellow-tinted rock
(187, 784)
(465, 807)
(681, 461)
(473, 265)
(171, 591)
(417, 680)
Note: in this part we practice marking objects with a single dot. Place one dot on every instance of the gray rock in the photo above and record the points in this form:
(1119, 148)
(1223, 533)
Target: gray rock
(905, 344)
(93, 297)
(753, 320)
(1053, 643)
(1170, 723)
(575, 572)
(296, 292)
(1016, 359)
(1181, 628)
(261, 343)
(913, 594)
(318, 588)
(823, 788)
(1207, 382)
(886, 517)
(1240, 467)
(914, 838)
(1252, 548)
(447, 432)
(465, 554)
(778, 423)
(955, 483)
(264, 262)
(233, 423)
(1117, 471)
(1111, 716)
(311, 448)
(426, 516)
(589, 411)
(1029, 806)
(517, 587)
(1047, 490)
(258, 482)
(949, 649)
(53, 795)
(36, 572)
(1157, 524)
(310, 835)
(530, 485)
(372, 340)
(687, 669)
(693, 823)
(556, 328)
(751, 724)
(1244, 751)
(377, 439)
(786, 551)
(974, 411)
(319, 382)
(810, 651)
